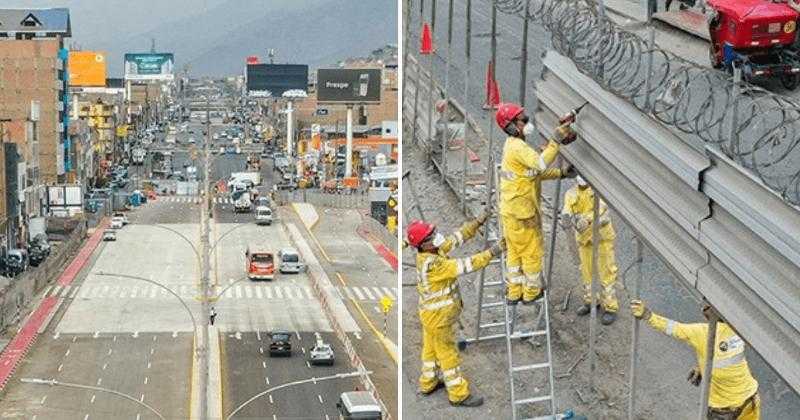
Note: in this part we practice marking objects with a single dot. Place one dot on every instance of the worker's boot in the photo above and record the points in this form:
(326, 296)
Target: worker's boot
(471, 401)
(584, 309)
(608, 318)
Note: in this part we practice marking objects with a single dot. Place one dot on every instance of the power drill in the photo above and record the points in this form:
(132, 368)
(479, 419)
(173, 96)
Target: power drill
(569, 117)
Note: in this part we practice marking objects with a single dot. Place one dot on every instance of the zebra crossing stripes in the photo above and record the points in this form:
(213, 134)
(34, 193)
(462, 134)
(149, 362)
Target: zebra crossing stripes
(179, 199)
(188, 291)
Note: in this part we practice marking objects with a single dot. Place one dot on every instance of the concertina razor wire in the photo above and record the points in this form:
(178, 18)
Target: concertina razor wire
(754, 127)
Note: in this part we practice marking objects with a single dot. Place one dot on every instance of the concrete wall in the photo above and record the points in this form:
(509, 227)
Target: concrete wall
(317, 198)
(17, 293)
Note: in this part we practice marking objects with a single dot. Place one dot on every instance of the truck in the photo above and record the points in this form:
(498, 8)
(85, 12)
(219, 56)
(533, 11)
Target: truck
(138, 154)
(236, 177)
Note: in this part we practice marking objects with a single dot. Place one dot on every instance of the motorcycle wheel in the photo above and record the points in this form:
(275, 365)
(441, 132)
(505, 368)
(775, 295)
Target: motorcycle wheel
(790, 81)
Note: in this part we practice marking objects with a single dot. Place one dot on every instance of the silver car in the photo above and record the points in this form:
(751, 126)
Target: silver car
(321, 354)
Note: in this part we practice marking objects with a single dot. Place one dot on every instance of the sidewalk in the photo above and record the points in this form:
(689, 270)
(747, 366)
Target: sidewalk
(18, 348)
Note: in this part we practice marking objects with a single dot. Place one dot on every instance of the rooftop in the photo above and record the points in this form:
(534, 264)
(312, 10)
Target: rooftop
(41, 22)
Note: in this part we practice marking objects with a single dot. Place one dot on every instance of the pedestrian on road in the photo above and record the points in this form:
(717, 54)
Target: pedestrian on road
(579, 209)
(212, 315)
(733, 394)
(440, 304)
(522, 171)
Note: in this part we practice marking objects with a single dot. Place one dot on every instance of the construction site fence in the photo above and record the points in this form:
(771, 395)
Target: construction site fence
(356, 200)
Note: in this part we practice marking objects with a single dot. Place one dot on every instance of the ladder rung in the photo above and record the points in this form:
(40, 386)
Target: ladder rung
(492, 305)
(493, 325)
(529, 334)
(492, 283)
(524, 368)
(533, 400)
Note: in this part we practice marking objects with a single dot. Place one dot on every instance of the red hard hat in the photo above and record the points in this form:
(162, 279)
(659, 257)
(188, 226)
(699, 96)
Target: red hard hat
(506, 113)
(418, 231)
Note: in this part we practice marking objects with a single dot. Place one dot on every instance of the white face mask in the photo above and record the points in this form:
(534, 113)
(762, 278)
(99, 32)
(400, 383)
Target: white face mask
(581, 182)
(529, 129)
(438, 240)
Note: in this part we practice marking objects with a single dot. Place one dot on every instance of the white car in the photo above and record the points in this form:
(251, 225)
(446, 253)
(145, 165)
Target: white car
(109, 235)
(263, 215)
(191, 140)
(117, 222)
(290, 261)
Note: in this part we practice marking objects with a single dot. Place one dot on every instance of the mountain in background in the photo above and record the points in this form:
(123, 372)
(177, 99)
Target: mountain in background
(314, 32)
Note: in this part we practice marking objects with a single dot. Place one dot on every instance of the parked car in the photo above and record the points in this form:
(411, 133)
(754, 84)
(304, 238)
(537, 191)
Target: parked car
(15, 262)
(281, 344)
(109, 235)
(321, 354)
(41, 241)
(36, 256)
(290, 261)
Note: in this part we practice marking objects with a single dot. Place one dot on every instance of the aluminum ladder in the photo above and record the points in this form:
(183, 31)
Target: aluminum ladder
(509, 332)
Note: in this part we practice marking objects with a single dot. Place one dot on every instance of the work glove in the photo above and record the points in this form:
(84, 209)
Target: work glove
(639, 310)
(565, 134)
(569, 171)
(484, 216)
(581, 223)
(498, 248)
(695, 377)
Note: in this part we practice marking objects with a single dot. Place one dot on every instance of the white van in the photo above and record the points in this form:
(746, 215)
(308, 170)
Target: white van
(290, 261)
(263, 215)
(358, 405)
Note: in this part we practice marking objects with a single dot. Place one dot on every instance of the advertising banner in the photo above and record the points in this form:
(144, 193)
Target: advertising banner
(350, 86)
(87, 68)
(149, 66)
(275, 79)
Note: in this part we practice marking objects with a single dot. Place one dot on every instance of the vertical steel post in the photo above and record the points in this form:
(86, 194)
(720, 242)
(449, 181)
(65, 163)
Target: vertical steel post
(635, 331)
(554, 226)
(468, 52)
(734, 134)
(446, 133)
(706, 383)
(523, 71)
(593, 289)
(648, 77)
(418, 74)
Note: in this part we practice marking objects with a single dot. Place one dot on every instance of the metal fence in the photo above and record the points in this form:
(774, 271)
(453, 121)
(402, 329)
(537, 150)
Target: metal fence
(321, 199)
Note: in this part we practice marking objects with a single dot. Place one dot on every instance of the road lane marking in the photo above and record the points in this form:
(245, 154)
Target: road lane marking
(261, 350)
(96, 334)
(258, 335)
(58, 334)
(278, 293)
(308, 292)
(145, 380)
(86, 417)
(248, 292)
(389, 292)
(155, 337)
(308, 364)
(358, 293)
(67, 353)
(320, 398)
(134, 292)
(110, 351)
(378, 292)
(268, 292)
(264, 364)
(105, 365)
(135, 334)
(56, 290)
(368, 293)
(153, 291)
(43, 400)
(152, 350)
(174, 334)
(99, 381)
(377, 309)
(115, 339)
(141, 399)
(259, 295)
(74, 292)
(93, 398)
(148, 365)
(271, 402)
(238, 292)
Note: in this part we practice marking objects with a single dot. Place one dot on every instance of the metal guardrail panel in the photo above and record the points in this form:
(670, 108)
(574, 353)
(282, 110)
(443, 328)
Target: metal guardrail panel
(758, 323)
(720, 229)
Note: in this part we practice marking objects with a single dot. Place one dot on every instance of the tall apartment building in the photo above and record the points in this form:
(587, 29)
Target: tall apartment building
(33, 67)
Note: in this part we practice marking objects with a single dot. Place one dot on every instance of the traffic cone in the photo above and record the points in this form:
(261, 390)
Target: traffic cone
(492, 89)
(427, 40)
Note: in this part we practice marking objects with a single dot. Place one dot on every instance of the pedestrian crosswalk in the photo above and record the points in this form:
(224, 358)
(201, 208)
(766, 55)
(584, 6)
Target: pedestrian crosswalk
(236, 291)
(192, 199)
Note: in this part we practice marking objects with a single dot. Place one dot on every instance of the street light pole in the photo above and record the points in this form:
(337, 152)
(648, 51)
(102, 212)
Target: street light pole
(204, 280)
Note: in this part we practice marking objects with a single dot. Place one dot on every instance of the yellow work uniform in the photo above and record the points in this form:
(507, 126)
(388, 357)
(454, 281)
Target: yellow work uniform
(732, 384)
(579, 203)
(391, 218)
(439, 308)
(521, 173)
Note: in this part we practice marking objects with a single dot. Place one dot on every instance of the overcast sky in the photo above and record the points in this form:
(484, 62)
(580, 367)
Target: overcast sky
(119, 26)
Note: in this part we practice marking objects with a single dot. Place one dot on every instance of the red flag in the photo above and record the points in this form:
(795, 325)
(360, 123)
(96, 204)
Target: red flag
(492, 89)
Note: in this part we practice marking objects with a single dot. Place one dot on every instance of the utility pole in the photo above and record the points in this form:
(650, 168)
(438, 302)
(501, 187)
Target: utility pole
(204, 368)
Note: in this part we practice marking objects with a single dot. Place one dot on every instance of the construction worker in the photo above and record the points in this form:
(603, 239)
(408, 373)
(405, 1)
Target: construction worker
(579, 207)
(440, 304)
(733, 394)
(391, 209)
(522, 170)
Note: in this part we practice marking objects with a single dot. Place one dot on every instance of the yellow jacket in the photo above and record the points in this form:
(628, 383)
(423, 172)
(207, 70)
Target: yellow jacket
(521, 173)
(439, 297)
(731, 381)
(579, 202)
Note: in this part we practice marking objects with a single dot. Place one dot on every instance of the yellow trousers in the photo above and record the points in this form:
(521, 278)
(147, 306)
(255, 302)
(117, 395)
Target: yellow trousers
(607, 270)
(523, 257)
(750, 412)
(440, 357)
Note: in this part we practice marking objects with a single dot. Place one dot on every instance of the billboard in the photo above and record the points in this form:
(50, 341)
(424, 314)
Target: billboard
(252, 59)
(276, 78)
(349, 85)
(149, 66)
(87, 68)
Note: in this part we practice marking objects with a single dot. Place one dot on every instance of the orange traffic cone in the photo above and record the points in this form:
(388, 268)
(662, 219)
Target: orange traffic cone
(492, 89)
(427, 40)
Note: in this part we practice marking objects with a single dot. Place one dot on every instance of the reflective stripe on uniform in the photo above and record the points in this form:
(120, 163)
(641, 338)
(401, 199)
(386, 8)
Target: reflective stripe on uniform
(542, 163)
(436, 305)
(533, 280)
(459, 238)
(423, 273)
(516, 279)
(453, 382)
(670, 327)
(515, 269)
(428, 373)
(426, 296)
(431, 365)
(510, 176)
(468, 265)
(733, 360)
(459, 267)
